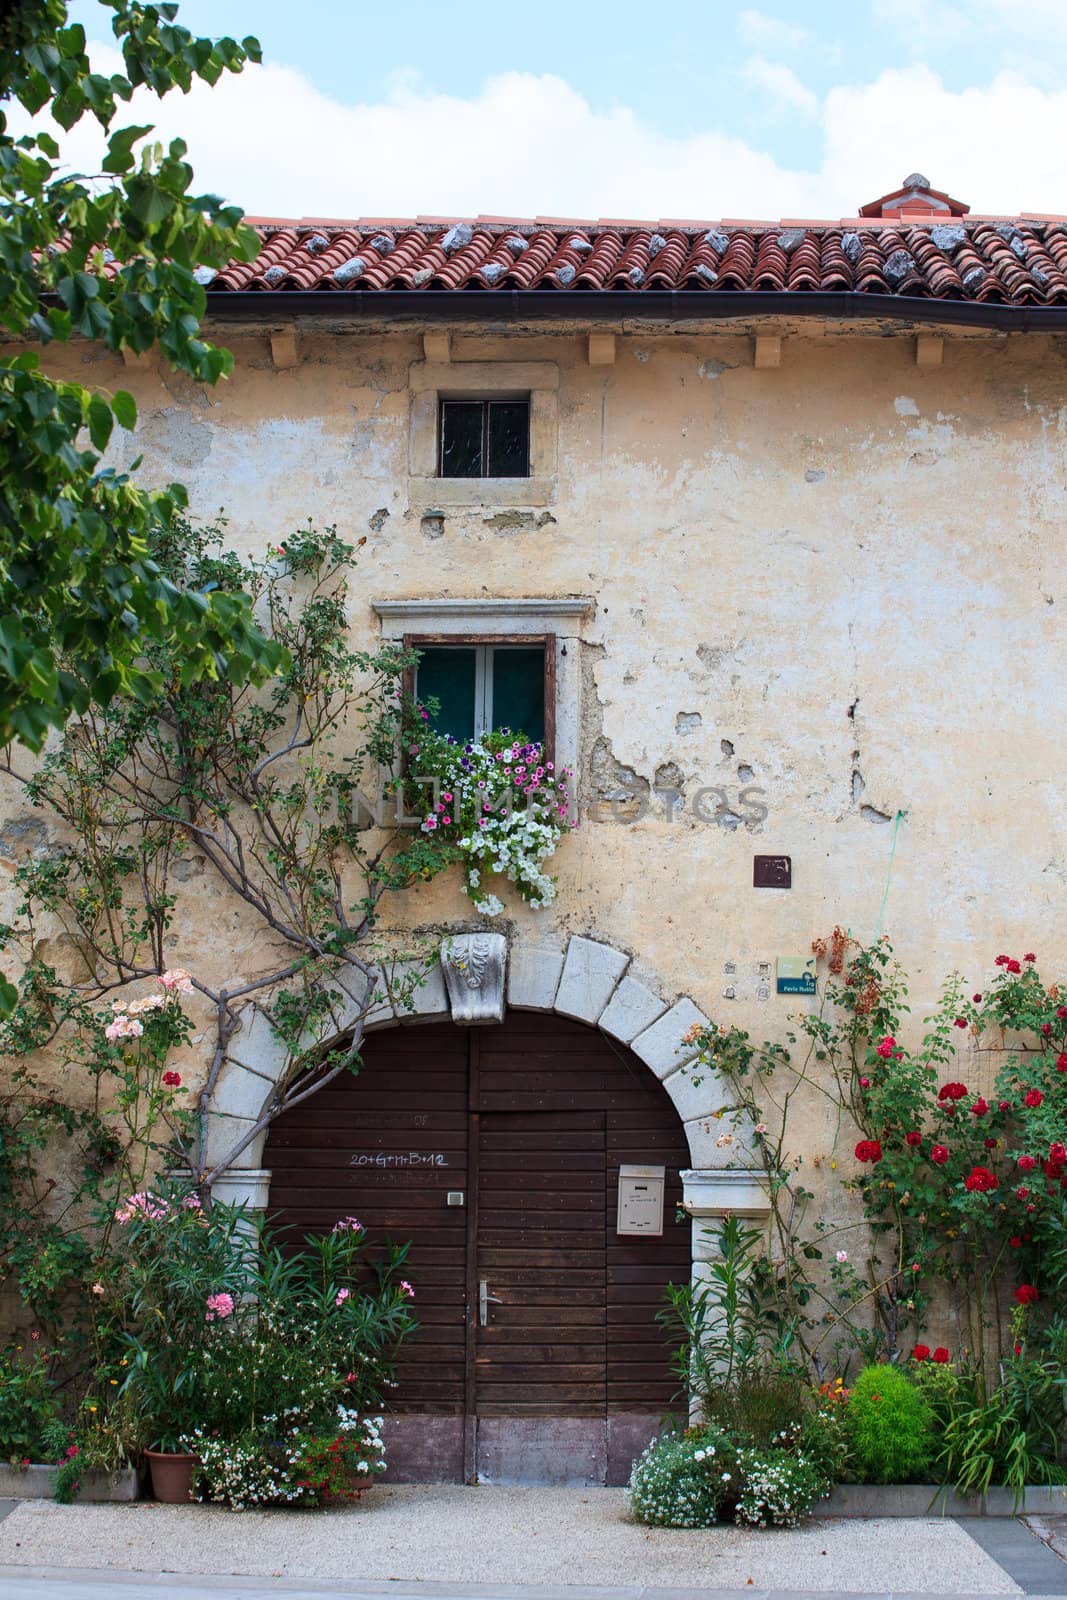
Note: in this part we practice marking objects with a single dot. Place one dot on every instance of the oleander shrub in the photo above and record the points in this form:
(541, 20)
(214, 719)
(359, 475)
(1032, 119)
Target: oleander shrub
(890, 1427)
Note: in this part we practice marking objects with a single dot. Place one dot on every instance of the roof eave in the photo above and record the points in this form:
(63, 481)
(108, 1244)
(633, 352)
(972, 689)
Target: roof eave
(666, 305)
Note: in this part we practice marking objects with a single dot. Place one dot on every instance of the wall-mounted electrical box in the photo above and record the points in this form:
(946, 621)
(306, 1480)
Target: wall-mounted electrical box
(641, 1199)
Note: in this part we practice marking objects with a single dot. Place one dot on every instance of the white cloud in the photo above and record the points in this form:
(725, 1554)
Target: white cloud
(760, 32)
(929, 21)
(530, 145)
(781, 85)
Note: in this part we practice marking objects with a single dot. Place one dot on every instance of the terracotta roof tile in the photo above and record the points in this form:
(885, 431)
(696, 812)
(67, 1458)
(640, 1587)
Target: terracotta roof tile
(1017, 261)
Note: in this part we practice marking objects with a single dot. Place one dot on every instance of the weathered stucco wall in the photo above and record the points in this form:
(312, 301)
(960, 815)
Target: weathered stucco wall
(837, 582)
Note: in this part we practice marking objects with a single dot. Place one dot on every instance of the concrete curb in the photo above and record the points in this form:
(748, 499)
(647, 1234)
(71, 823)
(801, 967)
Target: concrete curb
(927, 1500)
(35, 1482)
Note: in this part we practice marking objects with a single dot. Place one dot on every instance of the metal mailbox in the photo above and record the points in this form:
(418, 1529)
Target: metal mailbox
(641, 1200)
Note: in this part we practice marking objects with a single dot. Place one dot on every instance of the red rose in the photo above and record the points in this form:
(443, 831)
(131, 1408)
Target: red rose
(977, 998)
(980, 1107)
(921, 1352)
(1030, 957)
(961, 1022)
(1002, 961)
(952, 1091)
(1005, 1105)
(1033, 1097)
(1013, 966)
(1053, 1170)
(939, 1153)
(1026, 1294)
(913, 1139)
(1016, 1243)
(1046, 1028)
(941, 1355)
(980, 1181)
(989, 1144)
(1022, 1192)
(1027, 1163)
(1061, 1012)
(1057, 1152)
(1018, 1349)
(172, 1080)
(869, 1150)
(885, 1047)
(1061, 1063)
(865, 1083)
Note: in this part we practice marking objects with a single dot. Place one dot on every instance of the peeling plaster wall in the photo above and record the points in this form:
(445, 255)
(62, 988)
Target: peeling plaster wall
(830, 590)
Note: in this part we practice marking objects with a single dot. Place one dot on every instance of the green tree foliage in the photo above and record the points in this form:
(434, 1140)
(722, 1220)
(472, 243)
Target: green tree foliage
(118, 258)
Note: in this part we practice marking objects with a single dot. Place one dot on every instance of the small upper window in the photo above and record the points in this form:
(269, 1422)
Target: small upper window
(485, 438)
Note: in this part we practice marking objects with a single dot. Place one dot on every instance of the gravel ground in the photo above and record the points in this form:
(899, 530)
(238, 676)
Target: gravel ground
(453, 1534)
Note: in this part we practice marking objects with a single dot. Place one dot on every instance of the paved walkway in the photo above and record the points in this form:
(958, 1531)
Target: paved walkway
(492, 1538)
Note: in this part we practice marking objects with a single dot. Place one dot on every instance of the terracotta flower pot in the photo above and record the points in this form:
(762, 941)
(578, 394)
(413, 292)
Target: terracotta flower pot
(172, 1473)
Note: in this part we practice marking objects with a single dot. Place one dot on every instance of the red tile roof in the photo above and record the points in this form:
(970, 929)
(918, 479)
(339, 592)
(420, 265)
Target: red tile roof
(1011, 261)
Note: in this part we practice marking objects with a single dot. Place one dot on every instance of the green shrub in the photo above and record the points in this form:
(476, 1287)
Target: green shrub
(890, 1427)
(778, 1487)
(29, 1407)
(684, 1482)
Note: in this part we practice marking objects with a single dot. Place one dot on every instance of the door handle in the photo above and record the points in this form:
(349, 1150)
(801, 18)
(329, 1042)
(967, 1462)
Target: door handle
(485, 1299)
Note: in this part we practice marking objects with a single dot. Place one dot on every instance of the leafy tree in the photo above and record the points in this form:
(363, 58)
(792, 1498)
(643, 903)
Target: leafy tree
(120, 258)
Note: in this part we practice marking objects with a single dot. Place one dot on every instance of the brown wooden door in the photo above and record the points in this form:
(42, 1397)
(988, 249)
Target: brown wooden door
(541, 1255)
(530, 1122)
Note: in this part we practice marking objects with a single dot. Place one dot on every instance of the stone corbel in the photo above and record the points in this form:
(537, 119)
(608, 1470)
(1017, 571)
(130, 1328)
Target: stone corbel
(733, 1191)
(236, 1188)
(474, 965)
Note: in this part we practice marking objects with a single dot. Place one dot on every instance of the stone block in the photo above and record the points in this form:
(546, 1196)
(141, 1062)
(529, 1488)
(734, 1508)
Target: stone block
(240, 1092)
(533, 978)
(428, 999)
(381, 1011)
(698, 1093)
(660, 1046)
(222, 1133)
(704, 1132)
(590, 973)
(256, 1045)
(631, 1009)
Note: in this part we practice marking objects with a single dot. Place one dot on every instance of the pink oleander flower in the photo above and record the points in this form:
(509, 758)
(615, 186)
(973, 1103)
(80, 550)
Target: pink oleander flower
(347, 1225)
(220, 1306)
(98, 1288)
(406, 1289)
(341, 1296)
(144, 1205)
(123, 1027)
(177, 981)
(192, 1203)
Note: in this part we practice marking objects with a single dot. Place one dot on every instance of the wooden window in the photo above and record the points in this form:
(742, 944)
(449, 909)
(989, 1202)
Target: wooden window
(482, 683)
(484, 438)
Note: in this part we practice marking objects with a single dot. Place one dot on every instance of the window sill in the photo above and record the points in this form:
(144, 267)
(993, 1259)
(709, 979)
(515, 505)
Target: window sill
(436, 494)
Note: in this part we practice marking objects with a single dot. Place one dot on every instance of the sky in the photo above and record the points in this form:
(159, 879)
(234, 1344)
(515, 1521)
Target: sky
(584, 110)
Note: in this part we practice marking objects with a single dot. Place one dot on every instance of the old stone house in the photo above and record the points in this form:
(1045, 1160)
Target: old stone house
(763, 521)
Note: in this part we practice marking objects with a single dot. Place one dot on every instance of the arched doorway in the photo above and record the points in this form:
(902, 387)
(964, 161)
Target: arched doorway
(497, 1151)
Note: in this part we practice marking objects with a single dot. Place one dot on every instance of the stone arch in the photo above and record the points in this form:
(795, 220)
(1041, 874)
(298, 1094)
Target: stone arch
(588, 981)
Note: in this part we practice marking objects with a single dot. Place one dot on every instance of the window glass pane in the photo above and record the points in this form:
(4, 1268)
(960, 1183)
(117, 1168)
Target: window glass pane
(461, 438)
(519, 690)
(447, 675)
(509, 439)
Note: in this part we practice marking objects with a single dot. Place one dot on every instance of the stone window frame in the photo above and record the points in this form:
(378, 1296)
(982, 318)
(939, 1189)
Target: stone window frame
(507, 621)
(432, 381)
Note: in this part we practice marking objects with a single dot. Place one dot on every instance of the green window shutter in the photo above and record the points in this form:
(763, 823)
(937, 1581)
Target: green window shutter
(519, 690)
(448, 676)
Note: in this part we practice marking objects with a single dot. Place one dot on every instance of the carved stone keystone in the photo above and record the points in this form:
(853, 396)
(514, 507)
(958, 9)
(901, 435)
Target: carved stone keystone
(474, 965)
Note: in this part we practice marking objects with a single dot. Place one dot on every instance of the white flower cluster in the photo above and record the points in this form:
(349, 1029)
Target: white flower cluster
(506, 810)
(779, 1487)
